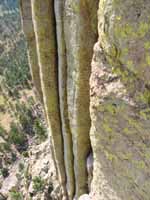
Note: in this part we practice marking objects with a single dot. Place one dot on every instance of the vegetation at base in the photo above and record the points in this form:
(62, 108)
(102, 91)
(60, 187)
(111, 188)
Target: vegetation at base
(25, 119)
(30, 120)
(25, 154)
(15, 195)
(2, 132)
(27, 123)
(16, 136)
(21, 167)
(38, 184)
(5, 147)
(14, 68)
(15, 75)
(39, 129)
(14, 78)
(4, 172)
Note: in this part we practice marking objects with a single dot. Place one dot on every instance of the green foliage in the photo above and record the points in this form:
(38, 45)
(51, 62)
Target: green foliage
(21, 167)
(38, 184)
(25, 116)
(5, 147)
(16, 137)
(145, 97)
(14, 68)
(143, 29)
(148, 59)
(39, 129)
(4, 172)
(29, 120)
(13, 157)
(27, 175)
(2, 132)
(147, 45)
(15, 195)
(25, 154)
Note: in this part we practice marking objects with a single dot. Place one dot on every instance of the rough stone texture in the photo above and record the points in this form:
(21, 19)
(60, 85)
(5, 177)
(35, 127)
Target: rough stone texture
(10, 182)
(44, 26)
(40, 164)
(120, 93)
(62, 80)
(84, 197)
(120, 100)
(25, 7)
(80, 34)
(62, 29)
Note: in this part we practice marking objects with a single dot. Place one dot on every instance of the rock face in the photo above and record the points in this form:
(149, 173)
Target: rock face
(120, 97)
(40, 167)
(32, 177)
(64, 36)
(25, 7)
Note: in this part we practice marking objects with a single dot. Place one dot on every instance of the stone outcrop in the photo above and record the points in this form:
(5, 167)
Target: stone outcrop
(61, 31)
(120, 101)
(44, 26)
(80, 35)
(25, 7)
(115, 112)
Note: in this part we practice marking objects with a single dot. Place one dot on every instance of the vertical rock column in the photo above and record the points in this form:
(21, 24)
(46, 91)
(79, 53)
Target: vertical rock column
(44, 26)
(62, 76)
(25, 7)
(80, 36)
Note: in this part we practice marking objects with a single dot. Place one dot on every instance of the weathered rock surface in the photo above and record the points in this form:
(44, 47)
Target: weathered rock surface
(120, 102)
(10, 182)
(25, 7)
(65, 33)
(80, 35)
(39, 165)
(64, 59)
(84, 197)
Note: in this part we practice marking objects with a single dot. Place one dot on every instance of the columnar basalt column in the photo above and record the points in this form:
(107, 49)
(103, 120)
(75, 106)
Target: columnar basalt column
(25, 7)
(80, 35)
(65, 32)
(45, 32)
(62, 76)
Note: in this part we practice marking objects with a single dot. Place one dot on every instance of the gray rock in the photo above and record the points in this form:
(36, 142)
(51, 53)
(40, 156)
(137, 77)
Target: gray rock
(85, 197)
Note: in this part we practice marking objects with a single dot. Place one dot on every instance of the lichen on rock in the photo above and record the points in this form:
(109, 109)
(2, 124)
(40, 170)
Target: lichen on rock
(118, 95)
(120, 101)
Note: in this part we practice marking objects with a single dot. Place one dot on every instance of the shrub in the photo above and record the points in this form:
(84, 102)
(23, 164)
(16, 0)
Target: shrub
(25, 117)
(17, 137)
(38, 184)
(29, 120)
(39, 129)
(15, 195)
(4, 172)
(25, 154)
(21, 167)
(2, 132)
(16, 72)
(13, 157)
(6, 146)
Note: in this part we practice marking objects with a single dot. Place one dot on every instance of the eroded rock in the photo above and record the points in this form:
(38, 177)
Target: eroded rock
(84, 197)
(120, 102)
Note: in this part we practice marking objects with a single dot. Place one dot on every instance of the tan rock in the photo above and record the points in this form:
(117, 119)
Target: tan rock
(120, 102)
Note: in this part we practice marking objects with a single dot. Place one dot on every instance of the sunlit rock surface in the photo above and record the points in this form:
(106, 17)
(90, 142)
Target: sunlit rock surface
(120, 101)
